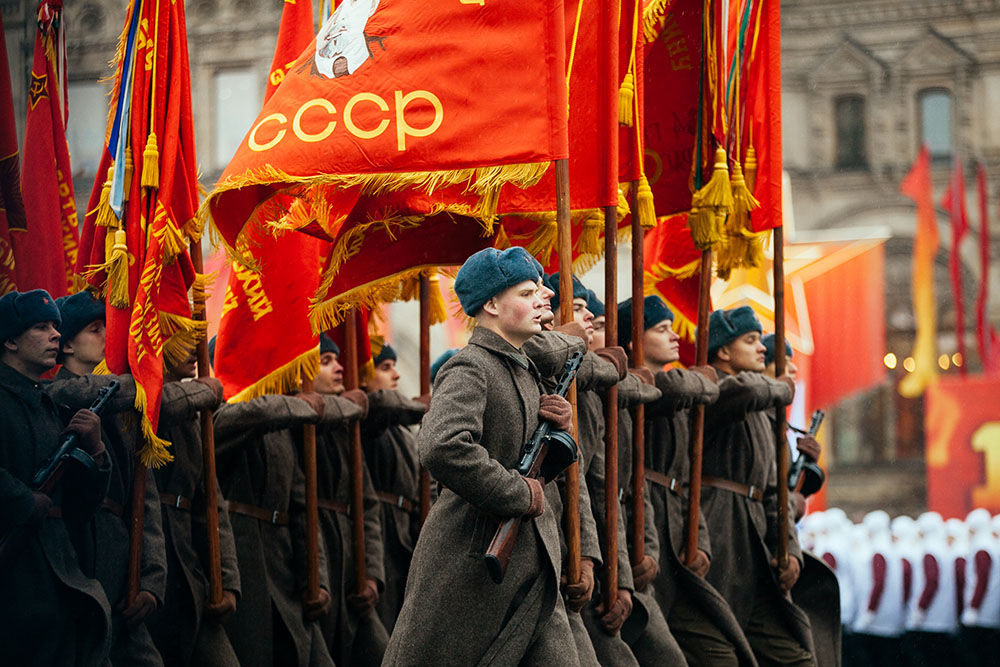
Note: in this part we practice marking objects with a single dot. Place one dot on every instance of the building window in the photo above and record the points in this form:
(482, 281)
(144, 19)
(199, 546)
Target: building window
(88, 116)
(238, 99)
(935, 122)
(850, 112)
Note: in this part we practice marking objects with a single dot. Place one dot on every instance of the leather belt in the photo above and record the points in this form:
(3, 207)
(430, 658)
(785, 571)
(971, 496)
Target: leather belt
(333, 506)
(751, 492)
(402, 502)
(670, 483)
(180, 502)
(270, 516)
(112, 507)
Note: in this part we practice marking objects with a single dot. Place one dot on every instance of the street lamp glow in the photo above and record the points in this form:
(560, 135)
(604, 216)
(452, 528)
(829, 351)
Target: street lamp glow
(944, 362)
(909, 364)
(956, 359)
(889, 360)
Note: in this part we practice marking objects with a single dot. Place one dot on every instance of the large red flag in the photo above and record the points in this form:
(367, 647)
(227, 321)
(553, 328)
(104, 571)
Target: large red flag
(45, 254)
(763, 113)
(985, 334)
(954, 202)
(395, 94)
(11, 204)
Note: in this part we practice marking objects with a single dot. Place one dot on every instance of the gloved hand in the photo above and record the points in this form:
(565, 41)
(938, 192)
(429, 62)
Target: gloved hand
(315, 609)
(615, 355)
(809, 446)
(573, 329)
(142, 606)
(916, 618)
(314, 400)
(537, 506)
(620, 611)
(788, 575)
(700, 564)
(864, 620)
(708, 372)
(220, 613)
(215, 386)
(359, 398)
(970, 616)
(87, 426)
(557, 410)
(579, 594)
(425, 399)
(790, 381)
(643, 374)
(367, 599)
(644, 572)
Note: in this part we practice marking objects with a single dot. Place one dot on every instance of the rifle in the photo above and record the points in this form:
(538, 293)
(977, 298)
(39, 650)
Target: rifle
(797, 473)
(45, 478)
(543, 457)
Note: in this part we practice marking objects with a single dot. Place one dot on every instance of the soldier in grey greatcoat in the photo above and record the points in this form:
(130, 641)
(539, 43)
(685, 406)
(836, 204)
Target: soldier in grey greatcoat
(51, 613)
(486, 404)
(740, 494)
(187, 629)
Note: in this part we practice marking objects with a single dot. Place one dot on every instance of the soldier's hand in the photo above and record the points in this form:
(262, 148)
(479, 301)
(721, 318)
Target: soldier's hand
(142, 606)
(215, 386)
(366, 600)
(556, 409)
(537, 506)
(573, 329)
(41, 509)
(620, 611)
(809, 446)
(579, 594)
(87, 426)
(359, 398)
(425, 399)
(315, 608)
(700, 563)
(790, 381)
(708, 372)
(644, 572)
(221, 612)
(643, 374)
(615, 355)
(788, 575)
(314, 400)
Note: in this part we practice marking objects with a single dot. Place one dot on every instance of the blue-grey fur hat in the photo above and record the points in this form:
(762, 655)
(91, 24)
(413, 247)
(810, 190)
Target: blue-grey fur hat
(654, 311)
(579, 291)
(725, 326)
(440, 361)
(594, 304)
(768, 342)
(491, 271)
(326, 344)
(77, 311)
(20, 310)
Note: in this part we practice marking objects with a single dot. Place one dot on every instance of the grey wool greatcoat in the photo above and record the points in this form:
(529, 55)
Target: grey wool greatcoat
(484, 408)
(739, 446)
(667, 439)
(51, 613)
(353, 639)
(391, 455)
(111, 524)
(258, 466)
(180, 629)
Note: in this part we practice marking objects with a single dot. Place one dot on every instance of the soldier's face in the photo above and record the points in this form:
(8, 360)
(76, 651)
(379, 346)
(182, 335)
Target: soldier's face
(791, 369)
(330, 379)
(584, 317)
(597, 340)
(87, 347)
(661, 344)
(746, 353)
(36, 347)
(385, 376)
(545, 294)
(519, 310)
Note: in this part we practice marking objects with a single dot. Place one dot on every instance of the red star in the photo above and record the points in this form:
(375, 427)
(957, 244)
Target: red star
(38, 89)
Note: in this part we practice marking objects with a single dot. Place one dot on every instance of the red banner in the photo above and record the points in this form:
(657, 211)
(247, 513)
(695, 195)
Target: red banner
(962, 422)
(11, 203)
(672, 269)
(45, 254)
(954, 202)
(408, 94)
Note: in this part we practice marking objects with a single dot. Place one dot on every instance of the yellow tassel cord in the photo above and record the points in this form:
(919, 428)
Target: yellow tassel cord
(181, 336)
(751, 167)
(740, 245)
(201, 291)
(151, 163)
(502, 241)
(626, 92)
(711, 205)
(173, 240)
(589, 241)
(127, 177)
(439, 311)
(284, 379)
(117, 270)
(105, 216)
(153, 452)
(647, 211)
(654, 16)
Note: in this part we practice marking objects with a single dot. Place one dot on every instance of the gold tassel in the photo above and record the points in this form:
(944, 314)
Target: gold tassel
(623, 207)
(129, 170)
(502, 242)
(544, 242)
(626, 94)
(106, 216)
(151, 163)
(117, 268)
(589, 241)
(647, 212)
(439, 311)
(711, 204)
(751, 168)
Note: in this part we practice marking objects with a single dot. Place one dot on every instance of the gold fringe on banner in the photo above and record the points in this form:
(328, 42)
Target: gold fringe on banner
(116, 267)
(502, 241)
(711, 205)
(181, 336)
(105, 215)
(654, 16)
(153, 452)
(174, 242)
(102, 368)
(201, 291)
(284, 379)
(544, 241)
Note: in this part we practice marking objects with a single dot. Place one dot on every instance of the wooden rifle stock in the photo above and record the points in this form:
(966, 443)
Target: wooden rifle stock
(502, 546)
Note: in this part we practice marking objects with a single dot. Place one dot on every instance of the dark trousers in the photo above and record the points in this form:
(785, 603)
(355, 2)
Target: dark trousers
(979, 646)
(876, 651)
(928, 648)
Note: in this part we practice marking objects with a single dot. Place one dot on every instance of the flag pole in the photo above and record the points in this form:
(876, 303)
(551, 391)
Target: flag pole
(312, 502)
(425, 381)
(208, 451)
(611, 407)
(779, 369)
(357, 491)
(696, 440)
(565, 252)
(637, 548)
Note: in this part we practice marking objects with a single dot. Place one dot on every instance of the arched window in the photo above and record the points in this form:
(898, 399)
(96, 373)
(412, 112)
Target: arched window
(935, 122)
(850, 115)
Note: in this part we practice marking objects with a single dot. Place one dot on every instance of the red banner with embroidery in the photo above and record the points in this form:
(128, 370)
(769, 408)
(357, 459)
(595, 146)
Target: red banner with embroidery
(953, 202)
(11, 203)
(762, 129)
(672, 270)
(45, 254)
(398, 93)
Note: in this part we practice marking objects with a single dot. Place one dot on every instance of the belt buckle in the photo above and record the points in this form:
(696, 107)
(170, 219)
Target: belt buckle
(752, 492)
(399, 501)
(621, 495)
(177, 503)
(673, 484)
(274, 517)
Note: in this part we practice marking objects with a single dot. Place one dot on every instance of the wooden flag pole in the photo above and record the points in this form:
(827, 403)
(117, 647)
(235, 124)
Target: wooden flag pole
(312, 502)
(637, 548)
(425, 381)
(357, 490)
(777, 235)
(565, 252)
(698, 413)
(208, 453)
(611, 407)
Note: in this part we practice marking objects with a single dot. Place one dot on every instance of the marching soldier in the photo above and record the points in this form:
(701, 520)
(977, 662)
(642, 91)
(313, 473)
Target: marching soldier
(52, 614)
(485, 406)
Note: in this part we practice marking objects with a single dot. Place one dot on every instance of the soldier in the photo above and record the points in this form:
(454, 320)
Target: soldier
(275, 623)
(353, 631)
(52, 614)
(81, 350)
(188, 628)
(739, 494)
(391, 455)
(485, 406)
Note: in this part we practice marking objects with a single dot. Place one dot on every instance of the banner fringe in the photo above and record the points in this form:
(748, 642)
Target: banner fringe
(153, 452)
(284, 379)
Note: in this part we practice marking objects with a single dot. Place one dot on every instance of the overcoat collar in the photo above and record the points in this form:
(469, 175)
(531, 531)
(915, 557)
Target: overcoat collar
(27, 389)
(495, 343)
